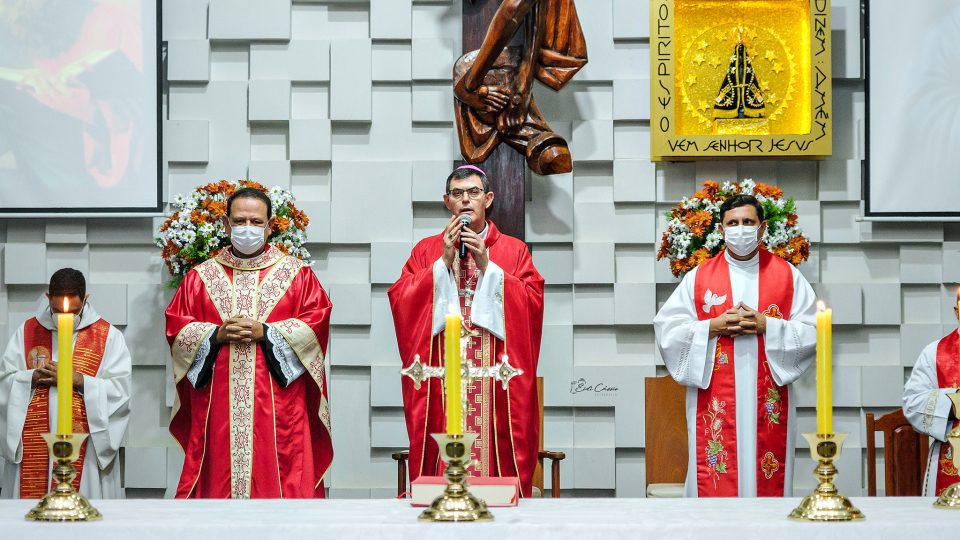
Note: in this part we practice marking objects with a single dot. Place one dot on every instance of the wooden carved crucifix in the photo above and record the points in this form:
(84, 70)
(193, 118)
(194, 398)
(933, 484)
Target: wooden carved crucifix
(507, 46)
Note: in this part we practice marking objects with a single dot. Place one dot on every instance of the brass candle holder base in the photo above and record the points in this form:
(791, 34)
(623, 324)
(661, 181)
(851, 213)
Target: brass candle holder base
(825, 503)
(456, 503)
(64, 503)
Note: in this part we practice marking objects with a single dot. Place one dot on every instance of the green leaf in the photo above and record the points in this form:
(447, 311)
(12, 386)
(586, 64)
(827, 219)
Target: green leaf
(775, 418)
(773, 395)
(715, 447)
(722, 467)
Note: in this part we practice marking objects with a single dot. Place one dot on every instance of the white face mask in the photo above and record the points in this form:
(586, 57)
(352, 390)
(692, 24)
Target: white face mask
(247, 239)
(77, 317)
(741, 240)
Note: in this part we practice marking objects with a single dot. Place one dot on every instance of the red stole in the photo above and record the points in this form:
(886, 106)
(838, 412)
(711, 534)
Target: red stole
(481, 351)
(716, 444)
(948, 376)
(87, 355)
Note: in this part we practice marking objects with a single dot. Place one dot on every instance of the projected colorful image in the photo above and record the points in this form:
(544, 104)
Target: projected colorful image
(78, 105)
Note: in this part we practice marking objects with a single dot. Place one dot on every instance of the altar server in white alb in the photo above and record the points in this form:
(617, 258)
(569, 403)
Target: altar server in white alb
(927, 406)
(28, 395)
(736, 332)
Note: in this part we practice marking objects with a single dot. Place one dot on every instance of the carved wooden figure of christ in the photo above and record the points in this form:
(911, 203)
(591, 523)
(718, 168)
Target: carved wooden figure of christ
(492, 85)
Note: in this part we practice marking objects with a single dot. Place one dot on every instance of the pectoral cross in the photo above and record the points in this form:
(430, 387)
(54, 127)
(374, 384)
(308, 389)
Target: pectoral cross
(501, 372)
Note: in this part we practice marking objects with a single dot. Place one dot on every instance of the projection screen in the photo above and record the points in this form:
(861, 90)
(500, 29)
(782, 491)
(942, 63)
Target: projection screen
(913, 109)
(79, 106)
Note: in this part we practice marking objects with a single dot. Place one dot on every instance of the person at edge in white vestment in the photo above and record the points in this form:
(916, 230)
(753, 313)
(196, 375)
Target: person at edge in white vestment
(28, 395)
(927, 406)
(741, 421)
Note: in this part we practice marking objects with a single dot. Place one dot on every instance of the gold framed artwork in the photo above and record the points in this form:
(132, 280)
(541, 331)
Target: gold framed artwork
(740, 79)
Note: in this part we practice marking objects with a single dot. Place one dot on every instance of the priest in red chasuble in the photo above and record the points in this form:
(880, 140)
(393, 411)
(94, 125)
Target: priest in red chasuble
(500, 295)
(927, 406)
(248, 333)
(736, 332)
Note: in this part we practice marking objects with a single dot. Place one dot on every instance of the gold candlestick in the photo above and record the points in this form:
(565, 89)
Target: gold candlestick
(825, 503)
(456, 503)
(64, 503)
(950, 496)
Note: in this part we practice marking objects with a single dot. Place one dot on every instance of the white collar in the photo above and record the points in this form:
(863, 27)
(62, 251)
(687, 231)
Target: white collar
(753, 262)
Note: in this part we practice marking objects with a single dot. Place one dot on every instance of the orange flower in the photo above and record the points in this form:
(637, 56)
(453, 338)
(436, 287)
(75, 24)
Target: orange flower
(279, 223)
(218, 209)
(698, 222)
(196, 217)
(165, 226)
(664, 250)
(679, 266)
(772, 192)
(791, 219)
(283, 249)
(699, 256)
(711, 187)
(252, 184)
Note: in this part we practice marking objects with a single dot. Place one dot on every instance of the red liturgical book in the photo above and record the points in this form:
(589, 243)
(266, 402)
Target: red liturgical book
(495, 491)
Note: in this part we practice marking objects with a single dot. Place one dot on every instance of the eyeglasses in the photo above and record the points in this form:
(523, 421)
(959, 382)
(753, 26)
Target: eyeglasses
(473, 193)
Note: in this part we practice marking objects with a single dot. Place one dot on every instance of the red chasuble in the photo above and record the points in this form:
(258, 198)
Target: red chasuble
(88, 349)
(242, 434)
(507, 420)
(716, 405)
(948, 376)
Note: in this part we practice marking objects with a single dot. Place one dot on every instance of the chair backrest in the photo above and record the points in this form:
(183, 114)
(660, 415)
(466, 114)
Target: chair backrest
(538, 472)
(666, 430)
(904, 455)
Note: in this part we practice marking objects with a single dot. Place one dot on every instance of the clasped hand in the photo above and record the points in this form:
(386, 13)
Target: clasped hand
(47, 376)
(738, 321)
(237, 329)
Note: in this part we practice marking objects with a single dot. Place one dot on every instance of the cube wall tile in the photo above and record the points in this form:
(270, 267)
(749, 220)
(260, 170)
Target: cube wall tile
(391, 19)
(188, 60)
(187, 140)
(300, 60)
(310, 140)
(269, 100)
(350, 80)
(250, 19)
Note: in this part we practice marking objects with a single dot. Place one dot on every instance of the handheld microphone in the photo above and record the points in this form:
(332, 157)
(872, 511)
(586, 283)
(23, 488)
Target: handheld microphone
(465, 222)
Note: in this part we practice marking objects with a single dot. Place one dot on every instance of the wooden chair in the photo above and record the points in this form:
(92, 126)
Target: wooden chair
(402, 456)
(666, 436)
(905, 455)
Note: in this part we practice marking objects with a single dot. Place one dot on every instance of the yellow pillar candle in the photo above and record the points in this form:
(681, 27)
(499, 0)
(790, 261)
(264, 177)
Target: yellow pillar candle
(64, 371)
(452, 373)
(824, 369)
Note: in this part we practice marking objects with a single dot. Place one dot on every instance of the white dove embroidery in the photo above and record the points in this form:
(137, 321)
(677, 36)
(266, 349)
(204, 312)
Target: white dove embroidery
(710, 300)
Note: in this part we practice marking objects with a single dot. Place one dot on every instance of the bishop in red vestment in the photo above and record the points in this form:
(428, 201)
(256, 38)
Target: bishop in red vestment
(248, 332)
(500, 294)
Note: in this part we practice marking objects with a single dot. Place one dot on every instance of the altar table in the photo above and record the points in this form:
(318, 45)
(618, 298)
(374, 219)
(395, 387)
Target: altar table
(583, 519)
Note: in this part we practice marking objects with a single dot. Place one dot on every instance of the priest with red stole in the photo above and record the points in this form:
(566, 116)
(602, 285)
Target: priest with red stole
(248, 333)
(500, 295)
(736, 332)
(927, 406)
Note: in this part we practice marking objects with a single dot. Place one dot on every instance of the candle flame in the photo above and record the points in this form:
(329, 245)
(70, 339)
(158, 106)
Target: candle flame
(65, 304)
(821, 306)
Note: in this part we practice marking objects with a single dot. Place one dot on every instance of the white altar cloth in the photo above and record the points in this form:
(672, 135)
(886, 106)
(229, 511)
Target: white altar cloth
(583, 519)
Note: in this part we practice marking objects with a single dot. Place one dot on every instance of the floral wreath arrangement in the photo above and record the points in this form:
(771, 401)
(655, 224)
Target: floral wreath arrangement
(694, 235)
(195, 232)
